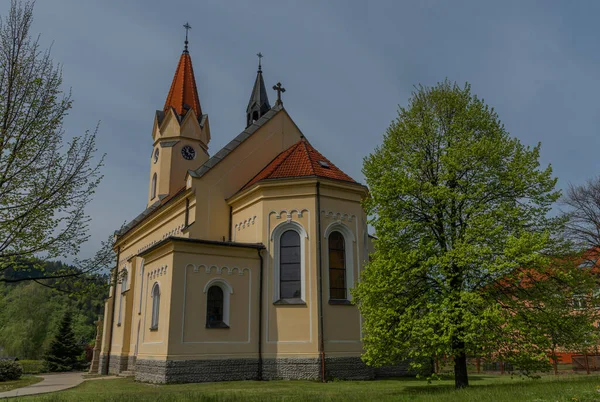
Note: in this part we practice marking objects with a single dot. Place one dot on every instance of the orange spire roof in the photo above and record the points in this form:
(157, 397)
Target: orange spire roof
(183, 89)
(300, 160)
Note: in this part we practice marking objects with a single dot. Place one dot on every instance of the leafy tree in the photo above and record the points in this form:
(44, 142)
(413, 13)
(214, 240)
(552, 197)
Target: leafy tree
(64, 350)
(460, 212)
(45, 183)
(30, 314)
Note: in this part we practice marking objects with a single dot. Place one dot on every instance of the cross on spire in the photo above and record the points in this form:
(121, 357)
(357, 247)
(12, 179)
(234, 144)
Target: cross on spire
(279, 90)
(187, 27)
(260, 56)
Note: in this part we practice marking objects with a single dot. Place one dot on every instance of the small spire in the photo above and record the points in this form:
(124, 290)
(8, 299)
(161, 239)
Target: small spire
(258, 104)
(187, 27)
(260, 56)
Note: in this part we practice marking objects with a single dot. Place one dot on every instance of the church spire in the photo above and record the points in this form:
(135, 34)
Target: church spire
(183, 94)
(259, 102)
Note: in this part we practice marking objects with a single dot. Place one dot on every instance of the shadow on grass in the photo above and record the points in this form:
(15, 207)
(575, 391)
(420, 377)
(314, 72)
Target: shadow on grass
(433, 388)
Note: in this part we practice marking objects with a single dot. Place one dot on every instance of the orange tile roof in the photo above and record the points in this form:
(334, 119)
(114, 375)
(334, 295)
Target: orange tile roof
(300, 160)
(183, 89)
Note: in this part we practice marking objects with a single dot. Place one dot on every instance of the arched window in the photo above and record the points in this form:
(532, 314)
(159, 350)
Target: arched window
(337, 266)
(121, 297)
(290, 283)
(340, 245)
(215, 308)
(153, 186)
(218, 293)
(155, 306)
(254, 116)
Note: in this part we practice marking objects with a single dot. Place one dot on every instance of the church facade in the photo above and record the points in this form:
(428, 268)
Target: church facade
(242, 263)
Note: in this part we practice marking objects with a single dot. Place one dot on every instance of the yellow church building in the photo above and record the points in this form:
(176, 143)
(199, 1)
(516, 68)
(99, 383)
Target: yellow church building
(242, 263)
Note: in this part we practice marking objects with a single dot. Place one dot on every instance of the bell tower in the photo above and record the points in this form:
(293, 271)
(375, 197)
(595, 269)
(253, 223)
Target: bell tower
(259, 102)
(181, 132)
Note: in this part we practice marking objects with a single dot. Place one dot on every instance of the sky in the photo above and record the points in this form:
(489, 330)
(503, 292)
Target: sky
(346, 66)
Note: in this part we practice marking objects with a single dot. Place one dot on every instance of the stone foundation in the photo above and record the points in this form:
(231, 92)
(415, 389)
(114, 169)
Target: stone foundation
(117, 364)
(131, 363)
(181, 371)
(399, 370)
(347, 368)
(174, 371)
(292, 369)
(102, 365)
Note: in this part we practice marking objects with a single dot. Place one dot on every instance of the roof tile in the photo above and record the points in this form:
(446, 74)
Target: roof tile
(183, 89)
(300, 160)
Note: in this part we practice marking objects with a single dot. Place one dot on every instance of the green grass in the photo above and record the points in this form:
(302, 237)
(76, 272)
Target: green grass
(573, 388)
(22, 382)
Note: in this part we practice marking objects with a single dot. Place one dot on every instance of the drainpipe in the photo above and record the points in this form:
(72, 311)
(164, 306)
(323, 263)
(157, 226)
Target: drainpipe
(230, 222)
(320, 285)
(260, 314)
(112, 316)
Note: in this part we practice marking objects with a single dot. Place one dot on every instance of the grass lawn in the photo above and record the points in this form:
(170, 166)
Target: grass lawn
(573, 388)
(23, 382)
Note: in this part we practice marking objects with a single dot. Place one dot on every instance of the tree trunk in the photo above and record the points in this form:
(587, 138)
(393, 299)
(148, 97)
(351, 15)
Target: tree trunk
(555, 365)
(478, 365)
(461, 378)
(587, 363)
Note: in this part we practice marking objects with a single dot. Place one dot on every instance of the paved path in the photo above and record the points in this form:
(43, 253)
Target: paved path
(51, 383)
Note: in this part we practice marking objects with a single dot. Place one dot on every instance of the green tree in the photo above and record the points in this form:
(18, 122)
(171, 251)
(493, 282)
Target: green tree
(45, 182)
(30, 313)
(460, 212)
(64, 350)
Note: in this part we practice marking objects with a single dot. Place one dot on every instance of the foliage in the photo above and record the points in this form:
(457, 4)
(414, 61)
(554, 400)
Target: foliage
(45, 183)
(464, 240)
(10, 370)
(30, 313)
(64, 352)
(32, 366)
(485, 388)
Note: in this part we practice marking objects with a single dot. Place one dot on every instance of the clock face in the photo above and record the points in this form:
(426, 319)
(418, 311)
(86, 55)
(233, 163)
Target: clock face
(156, 155)
(188, 153)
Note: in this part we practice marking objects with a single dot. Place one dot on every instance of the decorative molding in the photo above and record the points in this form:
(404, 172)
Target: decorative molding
(217, 270)
(175, 231)
(246, 223)
(168, 144)
(289, 215)
(160, 271)
(223, 284)
(340, 216)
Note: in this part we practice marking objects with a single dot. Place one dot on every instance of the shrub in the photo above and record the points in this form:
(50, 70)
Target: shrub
(32, 366)
(10, 370)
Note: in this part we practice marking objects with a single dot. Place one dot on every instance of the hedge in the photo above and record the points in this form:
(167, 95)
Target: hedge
(10, 370)
(33, 366)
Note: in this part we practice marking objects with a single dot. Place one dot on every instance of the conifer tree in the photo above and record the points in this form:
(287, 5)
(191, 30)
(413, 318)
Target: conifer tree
(63, 351)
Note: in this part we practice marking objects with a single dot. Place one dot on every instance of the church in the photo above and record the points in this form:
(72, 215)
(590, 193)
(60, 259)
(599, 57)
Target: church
(241, 265)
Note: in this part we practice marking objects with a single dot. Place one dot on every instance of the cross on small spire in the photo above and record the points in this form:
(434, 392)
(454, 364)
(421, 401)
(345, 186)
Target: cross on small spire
(260, 56)
(187, 27)
(279, 90)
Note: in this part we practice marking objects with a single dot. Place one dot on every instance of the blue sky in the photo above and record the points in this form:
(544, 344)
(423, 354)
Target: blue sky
(346, 65)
